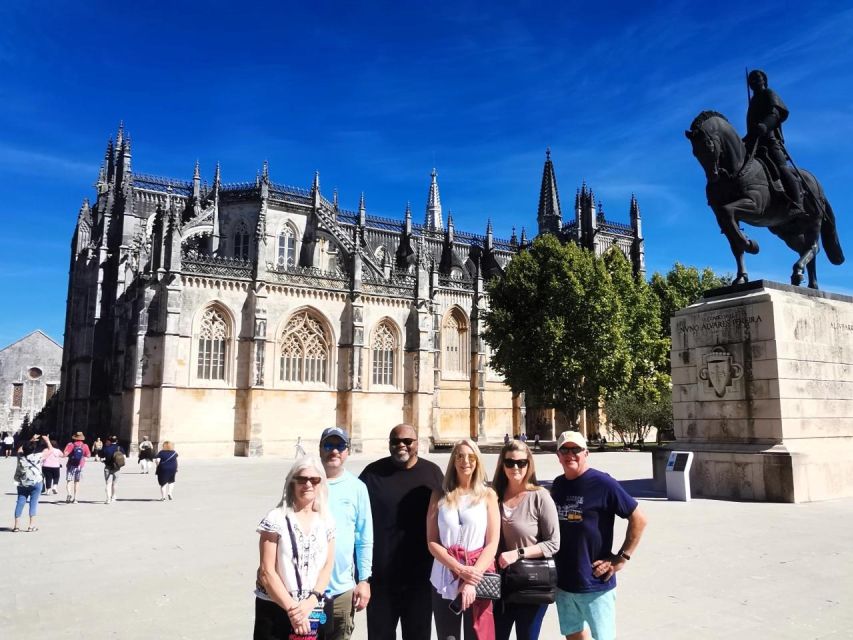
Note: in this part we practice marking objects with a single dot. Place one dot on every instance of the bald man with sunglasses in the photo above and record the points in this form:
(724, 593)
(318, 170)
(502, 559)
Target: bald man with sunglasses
(587, 503)
(400, 487)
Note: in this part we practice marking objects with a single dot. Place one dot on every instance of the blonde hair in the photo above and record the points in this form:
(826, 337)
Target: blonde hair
(168, 445)
(321, 492)
(500, 482)
(478, 489)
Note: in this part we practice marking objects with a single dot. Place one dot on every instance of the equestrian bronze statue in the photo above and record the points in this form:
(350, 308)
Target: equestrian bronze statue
(751, 181)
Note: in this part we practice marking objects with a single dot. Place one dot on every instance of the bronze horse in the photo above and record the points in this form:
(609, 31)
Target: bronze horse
(739, 190)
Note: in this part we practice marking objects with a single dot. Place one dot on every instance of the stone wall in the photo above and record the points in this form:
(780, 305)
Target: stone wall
(29, 375)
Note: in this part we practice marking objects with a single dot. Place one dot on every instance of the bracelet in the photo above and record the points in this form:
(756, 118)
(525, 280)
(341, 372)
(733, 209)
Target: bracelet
(623, 555)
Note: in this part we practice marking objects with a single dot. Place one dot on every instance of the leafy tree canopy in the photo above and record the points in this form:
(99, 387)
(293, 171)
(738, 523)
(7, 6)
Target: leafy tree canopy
(683, 286)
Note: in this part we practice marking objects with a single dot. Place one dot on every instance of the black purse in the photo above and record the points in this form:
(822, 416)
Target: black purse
(530, 581)
(489, 588)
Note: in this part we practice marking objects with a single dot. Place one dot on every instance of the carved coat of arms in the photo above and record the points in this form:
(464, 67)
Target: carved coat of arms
(720, 370)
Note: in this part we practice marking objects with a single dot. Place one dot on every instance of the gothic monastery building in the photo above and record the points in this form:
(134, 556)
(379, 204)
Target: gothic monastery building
(235, 318)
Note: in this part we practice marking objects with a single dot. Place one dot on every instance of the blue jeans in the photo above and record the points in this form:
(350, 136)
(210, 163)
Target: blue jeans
(527, 619)
(28, 493)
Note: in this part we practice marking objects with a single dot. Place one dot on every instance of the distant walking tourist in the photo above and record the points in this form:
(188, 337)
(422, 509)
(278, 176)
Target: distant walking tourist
(299, 450)
(529, 530)
(463, 528)
(50, 465)
(98, 449)
(146, 454)
(167, 467)
(8, 444)
(76, 453)
(30, 481)
(114, 460)
(297, 551)
(400, 487)
(349, 504)
(587, 502)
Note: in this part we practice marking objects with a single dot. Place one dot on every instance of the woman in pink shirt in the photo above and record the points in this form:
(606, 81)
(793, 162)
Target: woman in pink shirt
(50, 467)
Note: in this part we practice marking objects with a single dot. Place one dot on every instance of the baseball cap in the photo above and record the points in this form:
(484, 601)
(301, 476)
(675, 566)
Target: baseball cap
(571, 437)
(334, 431)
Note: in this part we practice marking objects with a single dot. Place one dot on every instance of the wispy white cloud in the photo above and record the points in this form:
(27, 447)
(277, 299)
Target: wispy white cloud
(29, 162)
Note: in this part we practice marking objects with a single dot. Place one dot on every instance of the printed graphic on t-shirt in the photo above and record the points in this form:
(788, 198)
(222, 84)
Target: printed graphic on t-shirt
(572, 509)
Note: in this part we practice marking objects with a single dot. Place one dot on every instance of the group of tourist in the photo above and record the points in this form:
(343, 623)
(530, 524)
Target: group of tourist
(440, 540)
(39, 461)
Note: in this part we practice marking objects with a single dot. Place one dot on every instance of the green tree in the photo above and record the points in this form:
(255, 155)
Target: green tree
(680, 287)
(640, 316)
(555, 327)
(632, 415)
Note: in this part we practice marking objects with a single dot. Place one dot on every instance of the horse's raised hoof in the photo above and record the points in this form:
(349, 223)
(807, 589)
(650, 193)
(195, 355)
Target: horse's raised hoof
(751, 247)
(741, 279)
(797, 278)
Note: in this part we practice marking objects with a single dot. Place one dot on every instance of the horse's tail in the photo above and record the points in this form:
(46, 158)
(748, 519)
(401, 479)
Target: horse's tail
(829, 235)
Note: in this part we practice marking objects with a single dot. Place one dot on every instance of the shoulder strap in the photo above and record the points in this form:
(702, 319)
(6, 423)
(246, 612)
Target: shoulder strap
(295, 558)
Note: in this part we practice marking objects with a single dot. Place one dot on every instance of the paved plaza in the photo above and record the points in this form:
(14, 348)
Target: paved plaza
(139, 568)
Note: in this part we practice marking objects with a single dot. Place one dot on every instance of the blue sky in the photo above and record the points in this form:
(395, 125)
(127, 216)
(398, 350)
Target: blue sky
(374, 94)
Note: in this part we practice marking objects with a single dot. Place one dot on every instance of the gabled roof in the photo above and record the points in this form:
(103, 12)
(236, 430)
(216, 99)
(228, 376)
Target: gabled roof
(30, 335)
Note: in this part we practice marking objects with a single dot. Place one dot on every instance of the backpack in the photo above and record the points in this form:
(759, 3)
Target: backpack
(118, 460)
(76, 456)
(28, 473)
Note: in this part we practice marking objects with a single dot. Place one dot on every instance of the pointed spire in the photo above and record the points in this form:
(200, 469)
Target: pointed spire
(489, 235)
(513, 239)
(217, 177)
(450, 227)
(523, 236)
(549, 216)
(433, 219)
(407, 225)
(316, 185)
(636, 220)
(196, 182)
(362, 212)
(335, 198)
(120, 134)
(265, 175)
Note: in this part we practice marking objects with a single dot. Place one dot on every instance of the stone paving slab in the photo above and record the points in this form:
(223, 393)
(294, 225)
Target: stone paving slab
(139, 568)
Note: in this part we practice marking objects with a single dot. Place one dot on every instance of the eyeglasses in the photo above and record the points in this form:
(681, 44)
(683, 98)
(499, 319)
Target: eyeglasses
(466, 457)
(335, 446)
(314, 480)
(509, 463)
(397, 441)
(575, 451)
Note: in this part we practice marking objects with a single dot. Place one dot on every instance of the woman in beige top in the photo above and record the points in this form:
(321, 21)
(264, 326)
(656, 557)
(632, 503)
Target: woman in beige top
(529, 529)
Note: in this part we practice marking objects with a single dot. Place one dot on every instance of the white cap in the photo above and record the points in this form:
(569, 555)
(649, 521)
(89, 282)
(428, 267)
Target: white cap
(571, 437)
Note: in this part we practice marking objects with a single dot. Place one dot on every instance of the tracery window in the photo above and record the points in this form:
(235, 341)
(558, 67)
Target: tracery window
(305, 350)
(384, 355)
(241, 241)
(212, 345)
(286, 248)
(454, 340)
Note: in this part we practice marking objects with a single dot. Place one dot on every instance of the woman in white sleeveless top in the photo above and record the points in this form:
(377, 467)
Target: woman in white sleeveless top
(463, 529)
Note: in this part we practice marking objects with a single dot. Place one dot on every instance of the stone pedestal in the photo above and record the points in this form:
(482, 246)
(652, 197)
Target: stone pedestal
(763, 393)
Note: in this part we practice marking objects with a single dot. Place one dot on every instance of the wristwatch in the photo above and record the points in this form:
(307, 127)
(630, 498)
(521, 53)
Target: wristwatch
(521, 552)
(623, 555)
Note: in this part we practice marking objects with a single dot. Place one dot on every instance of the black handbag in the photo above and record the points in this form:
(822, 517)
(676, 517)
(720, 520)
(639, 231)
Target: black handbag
(489, 588)
(530, 581)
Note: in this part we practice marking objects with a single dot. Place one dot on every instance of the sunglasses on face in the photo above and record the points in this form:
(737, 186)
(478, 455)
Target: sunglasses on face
(398, 441)
(466, 457)
(335, 446)
(314, 480)
(509, 463)
(575, 451)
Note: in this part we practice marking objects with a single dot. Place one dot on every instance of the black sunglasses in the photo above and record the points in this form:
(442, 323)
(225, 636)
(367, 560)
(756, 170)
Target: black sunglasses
(509, 463)
(406, 441)
(575, 451)
(314, 480)
(335, 446)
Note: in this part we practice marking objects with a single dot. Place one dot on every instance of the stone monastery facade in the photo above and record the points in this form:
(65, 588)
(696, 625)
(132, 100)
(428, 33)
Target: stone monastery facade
(236, 318)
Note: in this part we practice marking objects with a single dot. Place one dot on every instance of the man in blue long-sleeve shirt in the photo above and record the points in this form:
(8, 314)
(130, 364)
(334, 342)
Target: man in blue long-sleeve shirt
(349, 503)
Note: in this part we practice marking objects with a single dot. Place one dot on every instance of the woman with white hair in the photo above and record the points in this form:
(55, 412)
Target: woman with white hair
(463, 529)
(297, 550)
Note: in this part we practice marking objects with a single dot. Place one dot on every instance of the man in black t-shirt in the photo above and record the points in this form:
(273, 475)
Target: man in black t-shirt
(400, 487)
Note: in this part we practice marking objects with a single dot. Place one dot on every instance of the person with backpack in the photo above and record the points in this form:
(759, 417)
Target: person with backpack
(76, 452)
(30, 480)
(114, 459)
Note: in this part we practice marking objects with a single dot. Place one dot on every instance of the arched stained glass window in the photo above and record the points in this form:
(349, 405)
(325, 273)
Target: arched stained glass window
(305, 350)
(241, 241)
(286, 248)
(384, 355)
(454, 340)
(212, 345)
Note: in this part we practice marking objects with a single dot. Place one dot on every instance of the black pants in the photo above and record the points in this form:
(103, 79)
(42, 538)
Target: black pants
(447, 623)
(271, 621)
(51, 476)
(410, 605)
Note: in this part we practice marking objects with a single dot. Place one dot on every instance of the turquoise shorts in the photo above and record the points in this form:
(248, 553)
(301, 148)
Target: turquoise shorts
(596, 610)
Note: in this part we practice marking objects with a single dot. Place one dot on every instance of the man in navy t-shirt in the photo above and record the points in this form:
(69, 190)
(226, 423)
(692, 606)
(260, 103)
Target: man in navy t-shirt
(587, 502)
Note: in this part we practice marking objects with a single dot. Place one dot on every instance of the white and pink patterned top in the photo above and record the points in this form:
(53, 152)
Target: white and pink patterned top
(312, 548)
